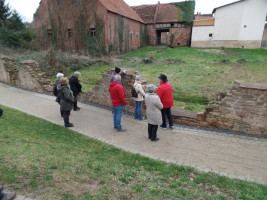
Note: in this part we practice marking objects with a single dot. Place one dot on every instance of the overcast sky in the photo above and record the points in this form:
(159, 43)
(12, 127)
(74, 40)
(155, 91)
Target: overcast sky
(28, 7)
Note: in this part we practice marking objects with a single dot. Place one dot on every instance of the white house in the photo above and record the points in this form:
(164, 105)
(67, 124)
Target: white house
(237, 25)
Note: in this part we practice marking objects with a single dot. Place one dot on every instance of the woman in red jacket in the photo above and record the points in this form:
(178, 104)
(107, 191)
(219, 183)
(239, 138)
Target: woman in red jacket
(165, 94)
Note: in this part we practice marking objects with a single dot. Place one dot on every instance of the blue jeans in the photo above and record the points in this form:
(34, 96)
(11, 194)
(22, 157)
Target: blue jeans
(138, 110)
(117, 115)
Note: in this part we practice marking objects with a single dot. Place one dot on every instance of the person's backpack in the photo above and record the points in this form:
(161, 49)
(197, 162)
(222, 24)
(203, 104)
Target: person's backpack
(134, 93)
(55, 92)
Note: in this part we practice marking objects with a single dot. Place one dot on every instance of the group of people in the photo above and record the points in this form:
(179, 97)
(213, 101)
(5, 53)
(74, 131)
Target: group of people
(158, 105)
(67, 96)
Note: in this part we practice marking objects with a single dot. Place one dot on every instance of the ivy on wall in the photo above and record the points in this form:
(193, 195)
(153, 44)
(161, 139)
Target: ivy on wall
(188, 10)
(121, 31)
(92, 42)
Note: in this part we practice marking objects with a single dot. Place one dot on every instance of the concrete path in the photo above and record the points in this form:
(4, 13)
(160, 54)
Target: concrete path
(228, 155)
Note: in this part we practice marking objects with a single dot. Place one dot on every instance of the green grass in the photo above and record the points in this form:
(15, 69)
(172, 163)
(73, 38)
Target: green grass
(51, 162)
(197, 74)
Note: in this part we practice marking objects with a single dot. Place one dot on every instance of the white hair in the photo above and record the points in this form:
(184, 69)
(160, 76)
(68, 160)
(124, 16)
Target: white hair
(77, 74)
(117, 78)
(138, 78)
(60, 75)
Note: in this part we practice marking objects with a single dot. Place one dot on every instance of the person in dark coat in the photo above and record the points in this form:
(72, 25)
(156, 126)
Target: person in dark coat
(59, 76)
(66, 100)
(76, 88)
(6, 196)
(1, 112)
(117, 72)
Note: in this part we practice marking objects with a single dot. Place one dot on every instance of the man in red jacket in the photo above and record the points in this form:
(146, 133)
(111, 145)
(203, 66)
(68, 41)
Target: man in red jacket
(165, 94)
(117, 94)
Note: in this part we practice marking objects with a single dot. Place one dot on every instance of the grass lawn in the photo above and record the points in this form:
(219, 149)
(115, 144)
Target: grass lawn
(52, 162)
(194, 73)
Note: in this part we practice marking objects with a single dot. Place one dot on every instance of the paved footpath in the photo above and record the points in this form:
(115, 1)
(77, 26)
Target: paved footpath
(228, 155)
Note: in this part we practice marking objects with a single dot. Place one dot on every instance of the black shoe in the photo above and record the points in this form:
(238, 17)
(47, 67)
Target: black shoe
(155, 140)
(9, 196)
(69, 125)
(76, 109)
(163, 127)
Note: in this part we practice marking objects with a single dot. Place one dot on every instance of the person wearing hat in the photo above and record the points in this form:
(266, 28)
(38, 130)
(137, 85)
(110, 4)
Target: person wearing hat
(119, 72)
(165, 94)
(153, 110)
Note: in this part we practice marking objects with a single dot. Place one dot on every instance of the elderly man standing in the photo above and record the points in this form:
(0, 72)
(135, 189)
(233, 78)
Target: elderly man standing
(117, 94)
(165, 94)
(76, 88)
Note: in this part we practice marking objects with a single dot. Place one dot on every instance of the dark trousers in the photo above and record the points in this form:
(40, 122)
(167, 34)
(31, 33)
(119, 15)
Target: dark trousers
(164, 112)
(1, 194)
(1, 112)
(62, 113)
(75, 102)
(66, 117)
(152, 131)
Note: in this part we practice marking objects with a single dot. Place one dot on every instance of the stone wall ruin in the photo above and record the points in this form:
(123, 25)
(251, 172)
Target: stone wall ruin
(242, 108)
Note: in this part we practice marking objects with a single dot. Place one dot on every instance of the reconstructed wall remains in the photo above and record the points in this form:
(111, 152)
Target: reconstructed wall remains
(27, 75)
(242, 108)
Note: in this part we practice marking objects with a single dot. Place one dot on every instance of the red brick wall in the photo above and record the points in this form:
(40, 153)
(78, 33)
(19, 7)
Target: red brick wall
(182, 36)
(66, 18)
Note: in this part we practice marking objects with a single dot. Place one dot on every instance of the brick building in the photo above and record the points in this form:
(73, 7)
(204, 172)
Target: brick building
(105, 26)
(94, 26)
(168, 24)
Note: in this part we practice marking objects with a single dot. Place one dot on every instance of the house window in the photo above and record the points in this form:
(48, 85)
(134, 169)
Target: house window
(210, 35)
(49, 33)
(172, 24)
(137, 35)
(131, 36)
(59, 2)
(74, 1)
(93, 33)
(70, 33)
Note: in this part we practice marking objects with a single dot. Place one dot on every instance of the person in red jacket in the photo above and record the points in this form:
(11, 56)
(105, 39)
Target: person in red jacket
(165, 94)
(117, 94)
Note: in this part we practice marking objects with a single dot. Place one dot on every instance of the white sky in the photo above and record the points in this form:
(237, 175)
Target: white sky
(27, 8)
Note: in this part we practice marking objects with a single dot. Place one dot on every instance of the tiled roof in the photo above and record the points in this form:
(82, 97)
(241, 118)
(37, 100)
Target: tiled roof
(168, 13)
(146, 12)
(120, 7)
(204, 22)
(165, 13)
(203, 16)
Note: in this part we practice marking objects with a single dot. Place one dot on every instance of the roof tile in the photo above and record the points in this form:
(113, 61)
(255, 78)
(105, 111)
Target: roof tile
(120, 7)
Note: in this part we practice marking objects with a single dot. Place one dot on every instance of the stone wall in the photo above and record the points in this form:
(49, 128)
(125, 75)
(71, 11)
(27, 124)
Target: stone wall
(241, 108)
(26, 75)
(100, 93)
